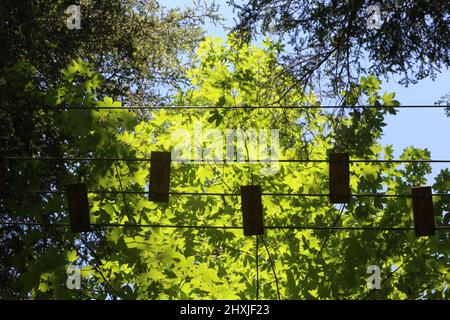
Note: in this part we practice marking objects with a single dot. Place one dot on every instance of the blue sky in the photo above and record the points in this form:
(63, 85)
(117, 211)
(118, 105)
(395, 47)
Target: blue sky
(418, 127)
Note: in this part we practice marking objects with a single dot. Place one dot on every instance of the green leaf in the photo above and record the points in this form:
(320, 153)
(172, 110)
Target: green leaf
(72, 255)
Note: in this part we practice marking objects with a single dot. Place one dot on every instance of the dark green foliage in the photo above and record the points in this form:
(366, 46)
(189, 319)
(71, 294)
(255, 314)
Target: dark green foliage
(332, 37)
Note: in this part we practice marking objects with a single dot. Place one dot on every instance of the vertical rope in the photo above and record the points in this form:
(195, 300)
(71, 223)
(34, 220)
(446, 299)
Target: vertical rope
(272, 264)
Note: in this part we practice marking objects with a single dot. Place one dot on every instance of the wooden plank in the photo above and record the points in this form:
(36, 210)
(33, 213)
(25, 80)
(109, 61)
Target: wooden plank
(78, 207)
(422, 201)
(252, 210)
(339, 171)
(159, 183)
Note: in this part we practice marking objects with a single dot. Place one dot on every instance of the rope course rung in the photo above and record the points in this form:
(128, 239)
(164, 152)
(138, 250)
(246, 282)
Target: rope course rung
(124, 159)
(220, 194)
(248, 107)
(124, 225)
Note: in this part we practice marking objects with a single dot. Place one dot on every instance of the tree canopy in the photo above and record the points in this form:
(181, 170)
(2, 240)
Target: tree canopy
(138, 262)
(330, 41)
(138, 46)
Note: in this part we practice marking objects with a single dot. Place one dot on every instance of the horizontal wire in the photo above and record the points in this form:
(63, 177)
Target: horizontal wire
(219, 161)
(237, 107)
(439, 227)
(374, 195)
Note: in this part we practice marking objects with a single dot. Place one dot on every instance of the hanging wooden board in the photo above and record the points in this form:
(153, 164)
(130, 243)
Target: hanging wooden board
(339, 170)
(78, 207)
(252, 210)
(159, 183)
(422, 202)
